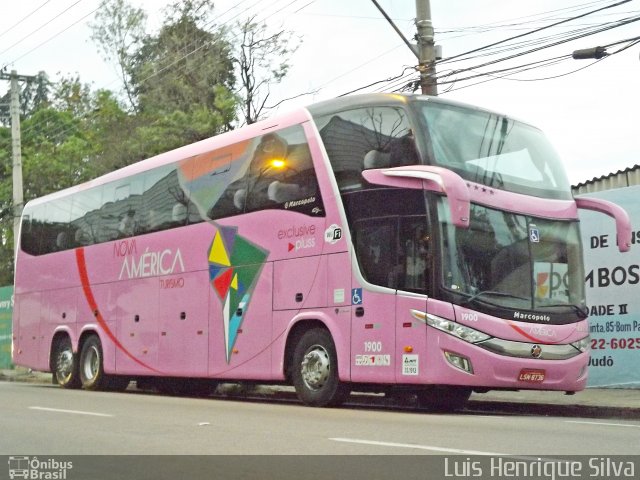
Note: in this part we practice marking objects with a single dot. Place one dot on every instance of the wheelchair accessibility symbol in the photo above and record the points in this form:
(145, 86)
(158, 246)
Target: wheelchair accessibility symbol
(356, 296)
(534, 234)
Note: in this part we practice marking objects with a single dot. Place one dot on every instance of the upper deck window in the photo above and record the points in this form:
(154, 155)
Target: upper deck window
(494, 150)
(362, 138)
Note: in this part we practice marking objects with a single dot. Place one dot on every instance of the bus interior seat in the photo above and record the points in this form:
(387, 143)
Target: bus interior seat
(283, 192)
(179, 213)
(240, 199)
(376, 159)
(61, 241)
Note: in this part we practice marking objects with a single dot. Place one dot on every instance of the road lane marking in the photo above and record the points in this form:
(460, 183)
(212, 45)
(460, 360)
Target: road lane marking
(415, 446)
(75, 412)
(603, 423)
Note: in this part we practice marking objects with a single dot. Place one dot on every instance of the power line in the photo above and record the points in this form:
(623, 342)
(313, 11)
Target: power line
(87, 116)
(52, 37)
(22, 20)
(553, 44)
(39, 28)
(448, 59)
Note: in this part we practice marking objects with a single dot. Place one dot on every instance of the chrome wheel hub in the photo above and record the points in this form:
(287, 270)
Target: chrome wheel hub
(315, 367)
(91, 364)
(64, 365)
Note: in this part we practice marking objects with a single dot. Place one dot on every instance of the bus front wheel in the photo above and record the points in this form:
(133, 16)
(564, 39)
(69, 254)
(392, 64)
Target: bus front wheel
(315, 370)
(65, 364)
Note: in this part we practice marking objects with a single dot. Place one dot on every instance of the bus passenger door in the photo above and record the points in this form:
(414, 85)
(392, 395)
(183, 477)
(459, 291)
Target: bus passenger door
(411, 280)
(373, 301)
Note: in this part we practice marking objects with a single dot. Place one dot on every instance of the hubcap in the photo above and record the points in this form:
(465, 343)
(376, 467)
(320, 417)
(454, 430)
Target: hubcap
(91, 363)
(64, 365)
(315, 367)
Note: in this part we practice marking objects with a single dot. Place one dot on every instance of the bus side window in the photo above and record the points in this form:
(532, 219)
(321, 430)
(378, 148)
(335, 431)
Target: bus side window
(376, 245)
(164, 203)
(373, 137)
(390, 230)
(29, 240)
(85, 216)
(279, 175)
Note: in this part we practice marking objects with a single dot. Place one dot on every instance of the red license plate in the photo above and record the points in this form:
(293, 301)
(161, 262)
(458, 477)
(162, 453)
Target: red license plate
(531, 376)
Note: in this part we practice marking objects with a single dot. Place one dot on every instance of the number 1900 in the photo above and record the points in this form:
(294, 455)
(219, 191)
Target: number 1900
(372, 346)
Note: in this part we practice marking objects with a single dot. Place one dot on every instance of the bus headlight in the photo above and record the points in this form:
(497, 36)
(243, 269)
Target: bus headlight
(458, 330)
(582, 344)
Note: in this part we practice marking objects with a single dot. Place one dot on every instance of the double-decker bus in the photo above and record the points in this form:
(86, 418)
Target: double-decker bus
(369, 243)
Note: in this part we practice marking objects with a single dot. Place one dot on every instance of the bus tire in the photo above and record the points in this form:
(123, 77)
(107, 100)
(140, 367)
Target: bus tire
(91, 366)
(315, 370)
(443, 398)
(64, 363)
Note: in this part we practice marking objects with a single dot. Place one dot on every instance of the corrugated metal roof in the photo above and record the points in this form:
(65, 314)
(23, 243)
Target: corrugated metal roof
(622, 178)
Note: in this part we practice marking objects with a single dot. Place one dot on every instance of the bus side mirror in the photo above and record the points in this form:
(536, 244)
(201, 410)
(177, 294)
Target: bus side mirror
(431, 178)
(623, 224)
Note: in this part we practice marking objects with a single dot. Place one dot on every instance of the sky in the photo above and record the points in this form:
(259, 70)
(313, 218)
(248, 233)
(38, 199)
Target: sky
(588, 110)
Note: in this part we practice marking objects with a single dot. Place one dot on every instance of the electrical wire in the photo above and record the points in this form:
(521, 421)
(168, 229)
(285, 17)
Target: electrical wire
(444, 60)
(23, 19)
(40, 28)
(399, 81)
(63, 130)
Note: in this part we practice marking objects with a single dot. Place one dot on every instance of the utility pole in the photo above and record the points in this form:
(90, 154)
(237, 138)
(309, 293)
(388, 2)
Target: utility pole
(426, 48)
(425, 51)
(16, 148)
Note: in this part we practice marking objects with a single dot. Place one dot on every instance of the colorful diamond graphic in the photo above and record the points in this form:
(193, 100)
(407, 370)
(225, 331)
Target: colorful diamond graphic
(234, 266)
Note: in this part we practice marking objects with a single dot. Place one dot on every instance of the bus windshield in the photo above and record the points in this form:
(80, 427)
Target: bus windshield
(494, 150)
(516, 262)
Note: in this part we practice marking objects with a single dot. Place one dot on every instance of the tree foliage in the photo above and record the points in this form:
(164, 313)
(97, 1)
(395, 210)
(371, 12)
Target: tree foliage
(188, 81)
(119, 30)
(62, 145)
(262, 59)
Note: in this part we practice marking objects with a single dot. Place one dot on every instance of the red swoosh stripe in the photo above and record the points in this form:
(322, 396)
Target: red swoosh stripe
(93, 305)
(530, 337)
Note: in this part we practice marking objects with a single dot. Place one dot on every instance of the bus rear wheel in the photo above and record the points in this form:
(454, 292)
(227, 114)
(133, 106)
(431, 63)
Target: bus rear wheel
(65, 364)
(91, 368)
(443, 398)
(315, 370)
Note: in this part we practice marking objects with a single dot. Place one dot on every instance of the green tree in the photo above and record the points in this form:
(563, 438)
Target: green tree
(34, 94)
(63, 144)
(119, 30)
(262, 59)
(6, 209)
(179, 79)
(184, 65)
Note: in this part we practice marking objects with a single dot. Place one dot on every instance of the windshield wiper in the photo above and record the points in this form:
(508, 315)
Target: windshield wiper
(581, 312)
(495, 293)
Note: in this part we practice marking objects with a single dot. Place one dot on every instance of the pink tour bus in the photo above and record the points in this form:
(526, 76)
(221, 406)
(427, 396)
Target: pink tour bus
(375, 243)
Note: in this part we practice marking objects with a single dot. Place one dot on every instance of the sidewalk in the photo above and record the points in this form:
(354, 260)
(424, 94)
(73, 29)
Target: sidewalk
(591, 402)
(20, 374)
(591, 397)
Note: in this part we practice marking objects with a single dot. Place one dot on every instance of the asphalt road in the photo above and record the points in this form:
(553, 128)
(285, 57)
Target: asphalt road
(42, 419)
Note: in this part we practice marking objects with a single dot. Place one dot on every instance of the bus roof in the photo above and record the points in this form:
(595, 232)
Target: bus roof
(349, 102)
(297, 116)
(294, 117)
